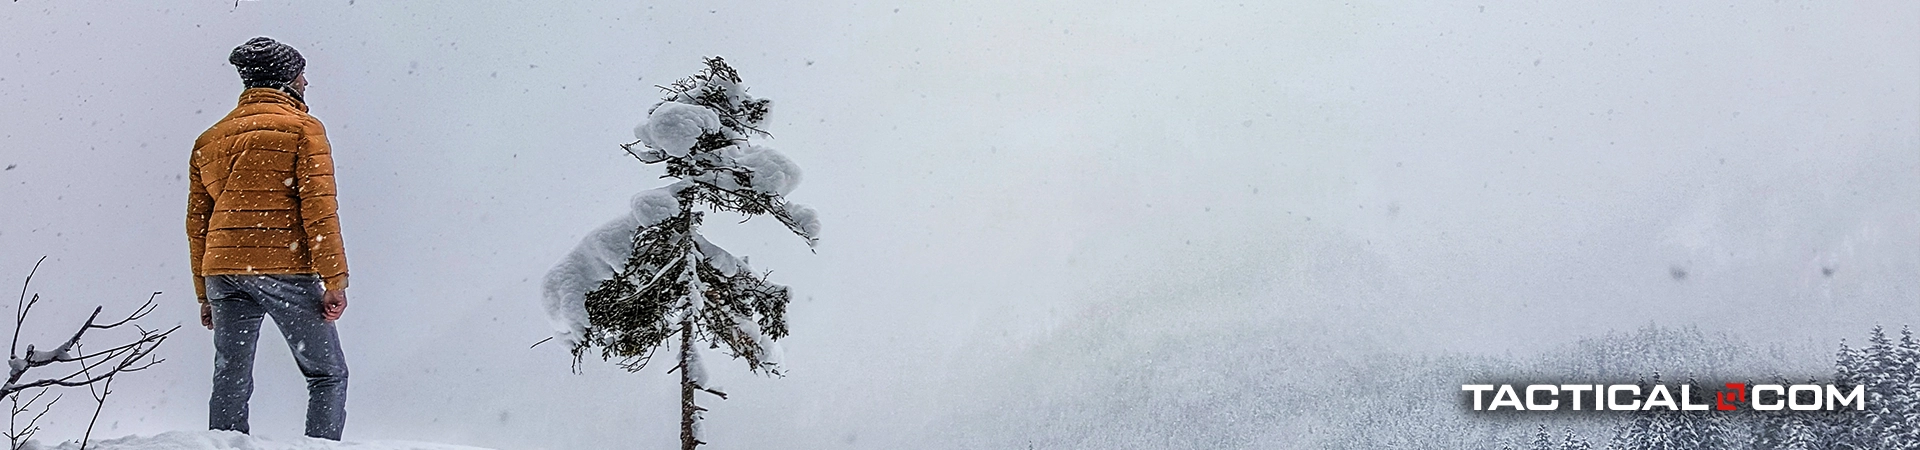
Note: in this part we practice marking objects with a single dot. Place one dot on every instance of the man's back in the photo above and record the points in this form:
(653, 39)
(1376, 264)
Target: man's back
(261, 198)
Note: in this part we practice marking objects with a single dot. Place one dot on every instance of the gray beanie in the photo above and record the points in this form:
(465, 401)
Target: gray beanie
(264, 62)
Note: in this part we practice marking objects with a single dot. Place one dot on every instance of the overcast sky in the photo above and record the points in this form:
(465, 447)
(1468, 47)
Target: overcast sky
(1459, 177)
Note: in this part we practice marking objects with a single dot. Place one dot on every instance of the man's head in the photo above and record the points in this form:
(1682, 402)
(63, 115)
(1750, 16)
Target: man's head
(264, 62)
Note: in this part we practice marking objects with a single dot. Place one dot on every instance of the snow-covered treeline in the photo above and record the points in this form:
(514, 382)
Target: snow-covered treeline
(1886, 368)
(1265, 390)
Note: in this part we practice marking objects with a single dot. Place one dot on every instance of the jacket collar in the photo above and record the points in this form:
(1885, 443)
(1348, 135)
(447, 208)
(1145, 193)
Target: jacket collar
(271, 95)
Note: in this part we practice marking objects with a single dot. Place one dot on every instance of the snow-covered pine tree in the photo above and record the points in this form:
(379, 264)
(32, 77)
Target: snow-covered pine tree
(1542, 439)
(1846, 365)
(1902, 430)
(1574, 441)
(1878, 376)
(1846, 429)
(1708, 431)
(650, 277)
(1800, 433)
(1645, 430)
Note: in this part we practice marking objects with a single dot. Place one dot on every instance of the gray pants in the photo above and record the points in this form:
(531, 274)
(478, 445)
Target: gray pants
(239, 302)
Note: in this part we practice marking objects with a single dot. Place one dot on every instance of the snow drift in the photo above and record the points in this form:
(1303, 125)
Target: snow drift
(228, 440)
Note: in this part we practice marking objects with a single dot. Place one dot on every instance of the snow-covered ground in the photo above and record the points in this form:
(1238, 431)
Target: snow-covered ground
(224, 440)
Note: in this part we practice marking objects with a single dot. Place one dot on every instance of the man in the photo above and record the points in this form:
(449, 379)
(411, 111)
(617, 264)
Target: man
(265, 239)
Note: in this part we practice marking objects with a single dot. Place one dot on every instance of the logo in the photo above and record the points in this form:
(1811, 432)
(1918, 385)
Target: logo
(1637, 397)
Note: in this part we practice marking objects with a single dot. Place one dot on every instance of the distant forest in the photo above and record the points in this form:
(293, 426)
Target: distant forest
(1890, 420)
(1269, 387)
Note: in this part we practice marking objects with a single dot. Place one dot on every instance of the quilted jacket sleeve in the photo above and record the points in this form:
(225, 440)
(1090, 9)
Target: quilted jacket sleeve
(199, 208)
(319, 210)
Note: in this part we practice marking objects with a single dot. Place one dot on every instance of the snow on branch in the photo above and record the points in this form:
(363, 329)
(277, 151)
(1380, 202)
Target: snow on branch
(80, 368)
(639, 282)
(70, 363)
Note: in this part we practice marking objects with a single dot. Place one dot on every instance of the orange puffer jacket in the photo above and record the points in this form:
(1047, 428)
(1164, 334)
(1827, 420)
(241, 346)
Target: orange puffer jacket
(261, 199)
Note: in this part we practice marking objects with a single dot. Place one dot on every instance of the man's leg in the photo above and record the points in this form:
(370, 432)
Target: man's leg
(236, 332)
(295, 306)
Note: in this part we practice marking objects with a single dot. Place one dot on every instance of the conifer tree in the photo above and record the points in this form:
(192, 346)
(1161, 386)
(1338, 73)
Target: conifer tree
(1902, 428)
(1846, 365)
(1700, 430)
(1878, 374)
(1845, 429)
(1542, 439)
(668, 282)
(1574, 442)
(1646, 429)
(1800, 434)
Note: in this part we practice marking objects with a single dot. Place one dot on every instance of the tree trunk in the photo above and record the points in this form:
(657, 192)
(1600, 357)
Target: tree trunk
(688, 410)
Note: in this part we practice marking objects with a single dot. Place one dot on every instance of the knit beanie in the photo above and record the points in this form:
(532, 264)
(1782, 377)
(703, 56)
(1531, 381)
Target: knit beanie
(264, 62)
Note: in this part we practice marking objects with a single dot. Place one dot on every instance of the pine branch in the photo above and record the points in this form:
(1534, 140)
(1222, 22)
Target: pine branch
(750, 202)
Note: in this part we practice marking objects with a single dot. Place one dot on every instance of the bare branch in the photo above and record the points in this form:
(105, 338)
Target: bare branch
(138, 313)
(99, 403)
(18, 434)
(20, 309)
(723, 395)
(89, 368)
(128, 356)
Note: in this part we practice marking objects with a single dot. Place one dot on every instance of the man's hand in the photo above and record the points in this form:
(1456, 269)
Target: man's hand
(206, 315)
(333, 303)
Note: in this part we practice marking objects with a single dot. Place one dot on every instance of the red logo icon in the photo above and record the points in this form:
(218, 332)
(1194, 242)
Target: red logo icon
(1738, 394)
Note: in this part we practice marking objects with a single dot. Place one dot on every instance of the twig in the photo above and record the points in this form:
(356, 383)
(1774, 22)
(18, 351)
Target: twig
(99, 403)
(20, 309)
(17, 435)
